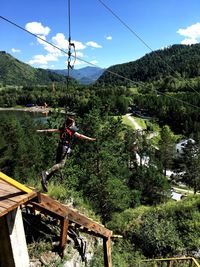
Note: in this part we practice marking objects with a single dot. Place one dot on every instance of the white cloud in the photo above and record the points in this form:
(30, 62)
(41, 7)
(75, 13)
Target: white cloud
(79, 54)
(78, 62)
(189, 41)
(192, 33)
(48, 47)
(109, 38)
(79, 45)
(93, 44)
(40, 39)
(94, 62)
(37, 28)
(60, 41)
(42, 66)
(15, 50)
(41, 59)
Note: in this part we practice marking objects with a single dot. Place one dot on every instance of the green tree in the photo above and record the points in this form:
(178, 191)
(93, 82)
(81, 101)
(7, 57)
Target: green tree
(190, 166)
(103, 175)
(152, 185)
(167, 148)
(21, 153)
(160, 235)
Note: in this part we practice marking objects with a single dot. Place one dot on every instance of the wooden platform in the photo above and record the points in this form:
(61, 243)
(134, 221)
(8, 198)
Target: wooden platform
(13, 194)
(11, 197)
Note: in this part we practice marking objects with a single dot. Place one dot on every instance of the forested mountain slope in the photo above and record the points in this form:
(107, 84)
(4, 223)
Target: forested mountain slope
(15, 72)
(177, 60)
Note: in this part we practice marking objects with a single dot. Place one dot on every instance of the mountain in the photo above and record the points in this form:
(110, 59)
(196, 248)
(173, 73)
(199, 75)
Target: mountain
(15, 72)
(85, 75)
(176, 60)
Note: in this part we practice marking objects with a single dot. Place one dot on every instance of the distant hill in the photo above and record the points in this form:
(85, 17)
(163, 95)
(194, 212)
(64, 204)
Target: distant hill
(15, 72)
(85, 75)
(183, 60)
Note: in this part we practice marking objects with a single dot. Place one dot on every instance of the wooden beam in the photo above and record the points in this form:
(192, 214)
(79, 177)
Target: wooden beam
(63, 235)
(173, 260)
(15, 183)
(53, 207)
(195, 262)
(107, 252)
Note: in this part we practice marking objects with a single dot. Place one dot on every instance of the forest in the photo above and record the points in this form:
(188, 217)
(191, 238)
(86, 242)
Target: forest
(104, 177)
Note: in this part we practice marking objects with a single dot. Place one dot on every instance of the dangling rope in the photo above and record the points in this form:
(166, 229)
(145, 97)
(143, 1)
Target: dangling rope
(70, 46)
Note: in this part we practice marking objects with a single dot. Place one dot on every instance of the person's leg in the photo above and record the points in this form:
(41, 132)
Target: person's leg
(60, 162)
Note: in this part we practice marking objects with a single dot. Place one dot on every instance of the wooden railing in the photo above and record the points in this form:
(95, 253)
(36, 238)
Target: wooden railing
(170, 262)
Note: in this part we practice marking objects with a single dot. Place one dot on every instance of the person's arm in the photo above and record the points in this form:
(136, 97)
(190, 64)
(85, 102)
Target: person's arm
(82, 136)
(48, 131)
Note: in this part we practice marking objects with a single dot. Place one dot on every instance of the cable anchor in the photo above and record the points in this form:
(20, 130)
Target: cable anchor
(71, 45)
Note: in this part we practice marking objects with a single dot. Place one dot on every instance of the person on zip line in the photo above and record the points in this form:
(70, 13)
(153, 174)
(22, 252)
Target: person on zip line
(67, 132)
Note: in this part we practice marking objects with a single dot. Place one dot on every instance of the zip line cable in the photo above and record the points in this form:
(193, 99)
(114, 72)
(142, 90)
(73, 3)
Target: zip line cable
(135, 34)
(177, 99)
(70, 45)
(69, 20)
(125, 24)
(92, 64)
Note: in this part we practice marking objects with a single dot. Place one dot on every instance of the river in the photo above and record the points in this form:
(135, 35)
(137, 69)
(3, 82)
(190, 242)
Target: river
(19, 114)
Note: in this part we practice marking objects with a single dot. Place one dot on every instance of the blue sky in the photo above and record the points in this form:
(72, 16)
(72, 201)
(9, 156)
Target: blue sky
(99, 37)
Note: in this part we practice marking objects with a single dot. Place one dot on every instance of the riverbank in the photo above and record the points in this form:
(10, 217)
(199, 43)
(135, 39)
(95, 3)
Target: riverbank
(40, 109)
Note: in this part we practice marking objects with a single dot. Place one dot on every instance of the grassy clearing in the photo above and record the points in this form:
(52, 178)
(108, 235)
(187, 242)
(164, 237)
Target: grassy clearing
(141, 122)
(126, 121)
(134, 90)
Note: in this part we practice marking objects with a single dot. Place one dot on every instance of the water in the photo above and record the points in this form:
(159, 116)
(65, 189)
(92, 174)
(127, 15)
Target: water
(36, 116)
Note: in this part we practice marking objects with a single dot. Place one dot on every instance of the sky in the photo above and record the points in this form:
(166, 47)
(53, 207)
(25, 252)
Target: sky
(104, 32)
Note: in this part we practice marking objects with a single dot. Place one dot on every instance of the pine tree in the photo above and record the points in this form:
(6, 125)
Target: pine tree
(103, 170)
(167, 148)
(191, 166)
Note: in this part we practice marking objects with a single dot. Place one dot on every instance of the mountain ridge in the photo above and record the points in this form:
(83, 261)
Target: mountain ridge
(84, 75)
(179, 61)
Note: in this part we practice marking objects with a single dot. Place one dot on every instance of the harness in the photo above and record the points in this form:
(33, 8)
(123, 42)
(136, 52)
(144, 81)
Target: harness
(66, 136)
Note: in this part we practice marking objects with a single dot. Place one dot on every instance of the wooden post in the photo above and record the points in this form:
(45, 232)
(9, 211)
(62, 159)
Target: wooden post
(107, 252)
(63, 235)
(13, 245)
(190, 262)
(169, 263)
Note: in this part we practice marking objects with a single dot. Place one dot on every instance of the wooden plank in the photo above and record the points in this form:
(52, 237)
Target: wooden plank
(15, 183)
(11, 197)
(8, 205)
(52, 206)
(107, 252)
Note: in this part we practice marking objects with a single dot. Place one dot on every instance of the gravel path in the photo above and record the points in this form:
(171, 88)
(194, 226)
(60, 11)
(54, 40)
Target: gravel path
(134, 122)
